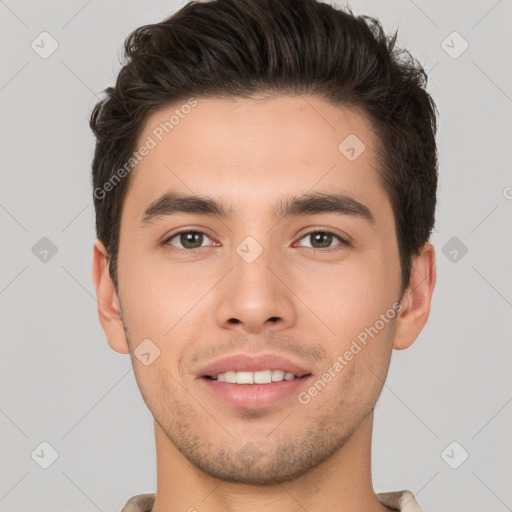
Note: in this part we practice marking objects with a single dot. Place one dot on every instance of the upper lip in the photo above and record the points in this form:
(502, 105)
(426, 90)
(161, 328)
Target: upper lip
(252, 363)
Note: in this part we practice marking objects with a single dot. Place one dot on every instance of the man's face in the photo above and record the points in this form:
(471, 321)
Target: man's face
(256, 283)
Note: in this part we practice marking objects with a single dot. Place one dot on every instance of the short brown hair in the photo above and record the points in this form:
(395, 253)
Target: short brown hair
(240, 48)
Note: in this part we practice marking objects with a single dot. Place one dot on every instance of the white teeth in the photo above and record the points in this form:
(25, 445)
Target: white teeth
(229, 377)
(244, 378)
(261, 377)
(277, 375)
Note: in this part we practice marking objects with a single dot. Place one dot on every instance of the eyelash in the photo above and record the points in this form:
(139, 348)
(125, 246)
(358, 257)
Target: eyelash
(343, 241)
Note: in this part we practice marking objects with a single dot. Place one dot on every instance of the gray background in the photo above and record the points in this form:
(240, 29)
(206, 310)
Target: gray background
(62, 384)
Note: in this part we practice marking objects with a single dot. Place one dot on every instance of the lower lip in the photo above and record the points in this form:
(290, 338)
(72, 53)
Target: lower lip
(255, 396)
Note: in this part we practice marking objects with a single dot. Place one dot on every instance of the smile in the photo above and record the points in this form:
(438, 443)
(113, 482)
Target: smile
(260, 377)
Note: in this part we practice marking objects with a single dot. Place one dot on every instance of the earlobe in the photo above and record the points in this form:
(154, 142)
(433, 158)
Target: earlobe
(417, 299)
(108, 302)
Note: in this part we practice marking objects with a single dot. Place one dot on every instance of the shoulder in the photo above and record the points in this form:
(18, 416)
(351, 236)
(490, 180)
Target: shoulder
(139, 503)
(403, 501)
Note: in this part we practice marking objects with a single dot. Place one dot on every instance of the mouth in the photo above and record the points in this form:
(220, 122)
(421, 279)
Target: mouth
(254, 382)
(251, 369)
(260, 377)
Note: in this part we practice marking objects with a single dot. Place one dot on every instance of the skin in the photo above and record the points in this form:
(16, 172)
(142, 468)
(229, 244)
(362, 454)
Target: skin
(308, 305)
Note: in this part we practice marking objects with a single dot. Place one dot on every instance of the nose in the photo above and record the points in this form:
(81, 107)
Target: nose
(255, 296)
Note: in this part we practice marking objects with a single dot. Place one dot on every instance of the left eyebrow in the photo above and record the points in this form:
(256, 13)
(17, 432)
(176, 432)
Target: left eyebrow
(311, 204)
(307, 204)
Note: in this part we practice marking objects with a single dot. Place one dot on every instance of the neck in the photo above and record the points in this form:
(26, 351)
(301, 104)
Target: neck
(341, 483)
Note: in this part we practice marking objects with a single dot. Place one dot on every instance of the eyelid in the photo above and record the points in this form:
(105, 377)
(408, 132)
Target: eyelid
(345, 240)
(201, 231)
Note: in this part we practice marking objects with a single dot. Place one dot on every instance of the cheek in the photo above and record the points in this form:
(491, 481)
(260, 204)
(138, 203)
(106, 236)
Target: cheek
(159, 388)
(349, 297)
(156, 295)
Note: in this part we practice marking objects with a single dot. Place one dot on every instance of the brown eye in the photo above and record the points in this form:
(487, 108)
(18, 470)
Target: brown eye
(322, 239)
(188, 239)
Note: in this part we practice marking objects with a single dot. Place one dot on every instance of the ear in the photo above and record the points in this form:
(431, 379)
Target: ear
(416, 301)
(109, 310)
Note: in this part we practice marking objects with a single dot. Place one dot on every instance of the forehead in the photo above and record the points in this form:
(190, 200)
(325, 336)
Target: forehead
(251, 151)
